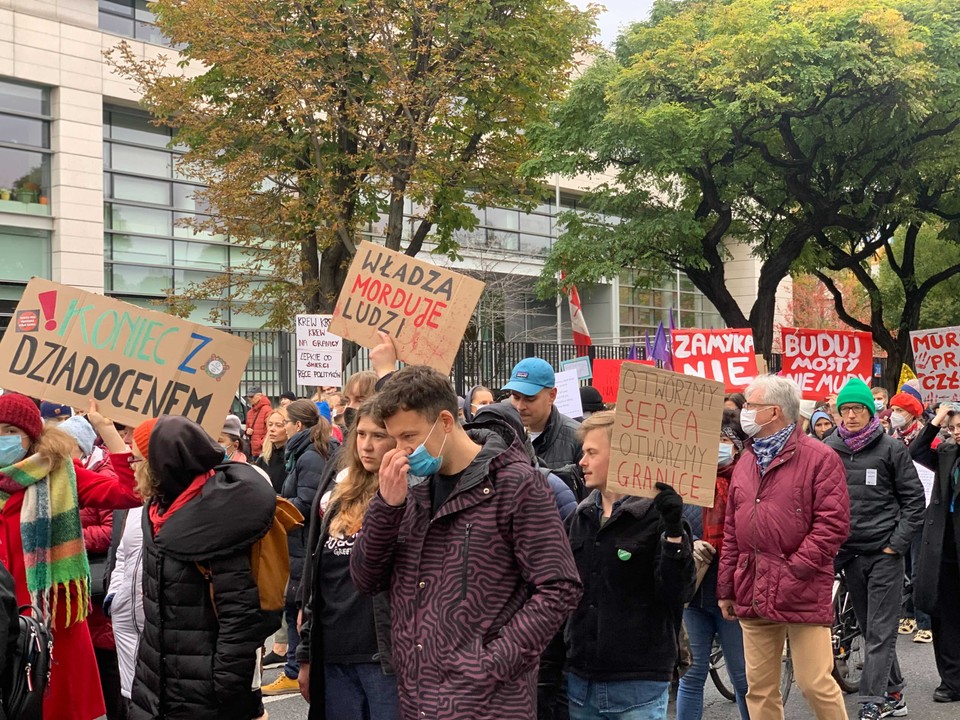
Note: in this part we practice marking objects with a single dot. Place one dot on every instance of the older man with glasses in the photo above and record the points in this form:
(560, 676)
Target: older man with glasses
(787, 515)
(886, 510)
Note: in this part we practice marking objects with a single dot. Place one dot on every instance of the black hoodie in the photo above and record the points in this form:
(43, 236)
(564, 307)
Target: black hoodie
(198, 649)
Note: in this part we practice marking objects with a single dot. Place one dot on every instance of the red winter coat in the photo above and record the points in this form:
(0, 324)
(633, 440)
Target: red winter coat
(257, 419)
(74, 692)
(782, 532)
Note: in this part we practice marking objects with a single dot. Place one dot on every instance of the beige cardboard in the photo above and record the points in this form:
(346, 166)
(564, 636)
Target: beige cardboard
(68, 345)
(667, 429)
(424, 308)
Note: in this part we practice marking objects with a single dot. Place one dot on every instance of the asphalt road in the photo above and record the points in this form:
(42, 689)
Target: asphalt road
(915, 659)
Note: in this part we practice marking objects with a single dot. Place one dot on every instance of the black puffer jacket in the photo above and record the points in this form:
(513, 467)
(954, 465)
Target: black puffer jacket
(199, 645)
(886, 497)
(559, 450)
(9, 628)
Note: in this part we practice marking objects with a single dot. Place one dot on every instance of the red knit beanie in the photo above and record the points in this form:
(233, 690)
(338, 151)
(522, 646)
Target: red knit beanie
(21, 412)
(141, 436)
(908, 402)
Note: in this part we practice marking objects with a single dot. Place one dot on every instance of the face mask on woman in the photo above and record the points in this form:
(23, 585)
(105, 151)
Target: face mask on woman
(11, 450)
(898, 420)
(726, 454)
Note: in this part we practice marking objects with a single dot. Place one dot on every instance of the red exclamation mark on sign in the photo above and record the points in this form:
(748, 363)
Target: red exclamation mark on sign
(48, 303)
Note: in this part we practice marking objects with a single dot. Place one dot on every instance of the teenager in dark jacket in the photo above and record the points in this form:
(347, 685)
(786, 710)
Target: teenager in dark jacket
(203, 624)
(886, 510)
(636, 560)
(305, 457)
(9, 627)
(465, 535)
(346, 668)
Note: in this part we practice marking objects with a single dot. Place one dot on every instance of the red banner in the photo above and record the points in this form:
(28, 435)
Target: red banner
(727, 356)
(821, 361)
(606, 376)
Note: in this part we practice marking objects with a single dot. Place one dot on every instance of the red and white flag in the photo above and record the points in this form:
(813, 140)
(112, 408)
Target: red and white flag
(581, 335)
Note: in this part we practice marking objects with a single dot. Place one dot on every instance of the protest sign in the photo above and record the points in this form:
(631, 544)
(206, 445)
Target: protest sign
(69, 345)
(568, 401)
(424, 308)
(667, 429)
(581, 365)
(319, 352)
(821, 361)
(926, 479)
(936, 355)
(606, 376)
(727, 356)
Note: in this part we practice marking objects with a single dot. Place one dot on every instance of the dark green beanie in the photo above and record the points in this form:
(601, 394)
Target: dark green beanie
(856, 391)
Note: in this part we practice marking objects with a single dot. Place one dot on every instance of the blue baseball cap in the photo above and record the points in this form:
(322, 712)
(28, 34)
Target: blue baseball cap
(530, 376)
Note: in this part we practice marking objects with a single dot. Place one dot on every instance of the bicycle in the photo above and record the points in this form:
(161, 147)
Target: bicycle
(847, 639)
(720, 677)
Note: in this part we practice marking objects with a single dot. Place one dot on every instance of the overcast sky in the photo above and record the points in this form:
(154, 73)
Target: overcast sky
(618, 13)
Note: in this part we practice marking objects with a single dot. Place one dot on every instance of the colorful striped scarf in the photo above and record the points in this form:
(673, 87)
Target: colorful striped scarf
(53, 550)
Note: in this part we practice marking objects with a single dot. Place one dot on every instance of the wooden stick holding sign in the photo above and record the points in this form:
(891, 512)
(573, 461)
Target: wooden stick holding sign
(667, 430)
(424, 308)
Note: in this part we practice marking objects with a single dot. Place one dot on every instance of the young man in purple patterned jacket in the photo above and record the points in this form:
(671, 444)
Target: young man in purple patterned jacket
(465, 535)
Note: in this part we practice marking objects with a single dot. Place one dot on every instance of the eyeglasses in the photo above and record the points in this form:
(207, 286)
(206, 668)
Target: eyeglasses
(757, 406)
(856, 409)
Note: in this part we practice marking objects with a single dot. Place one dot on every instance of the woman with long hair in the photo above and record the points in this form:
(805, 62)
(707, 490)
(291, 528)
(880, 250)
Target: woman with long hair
(271, 460)
(345, 658)
(306, 455)
(41, 492)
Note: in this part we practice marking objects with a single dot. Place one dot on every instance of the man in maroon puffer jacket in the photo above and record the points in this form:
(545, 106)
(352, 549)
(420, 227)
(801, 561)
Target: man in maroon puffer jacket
(787, 515)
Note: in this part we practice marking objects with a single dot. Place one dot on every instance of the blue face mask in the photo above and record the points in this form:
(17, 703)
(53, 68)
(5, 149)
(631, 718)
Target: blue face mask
(726, 454)
(422, 463)
(11, 450)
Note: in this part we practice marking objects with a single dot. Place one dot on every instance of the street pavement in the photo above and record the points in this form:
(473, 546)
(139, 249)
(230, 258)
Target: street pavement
(915, 659)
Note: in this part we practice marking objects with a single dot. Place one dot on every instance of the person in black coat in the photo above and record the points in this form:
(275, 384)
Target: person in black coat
(271, 459)
(203, 625)
(9, 628)
(306, 455)
(937, 579)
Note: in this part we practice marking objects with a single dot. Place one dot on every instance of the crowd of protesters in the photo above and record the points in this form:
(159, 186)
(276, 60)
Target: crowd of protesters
(465, 558)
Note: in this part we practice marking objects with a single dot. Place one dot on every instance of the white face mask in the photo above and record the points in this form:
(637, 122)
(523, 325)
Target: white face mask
(725, 456)
(748, 421)
(898, 420)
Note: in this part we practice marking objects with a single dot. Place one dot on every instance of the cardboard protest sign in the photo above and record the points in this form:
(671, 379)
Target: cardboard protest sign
(667, 429)
(727, 356)
(319, 352)
(821, 361)
(936, 355)
(606, 376)
(424, 308)
(568, 401)
(69, 345)
(581, 365)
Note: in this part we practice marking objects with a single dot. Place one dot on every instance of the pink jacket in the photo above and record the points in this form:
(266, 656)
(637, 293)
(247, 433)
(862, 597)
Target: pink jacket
(782, 532)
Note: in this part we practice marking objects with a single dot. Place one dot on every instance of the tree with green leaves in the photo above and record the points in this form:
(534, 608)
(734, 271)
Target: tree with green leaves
(309, 121)
(768, 123)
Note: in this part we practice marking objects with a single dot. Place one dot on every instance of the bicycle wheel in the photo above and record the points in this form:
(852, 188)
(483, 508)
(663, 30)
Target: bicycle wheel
(718, 672)
(847, 643)
(786, 672)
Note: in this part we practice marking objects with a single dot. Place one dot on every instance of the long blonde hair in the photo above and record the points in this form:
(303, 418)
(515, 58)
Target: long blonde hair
(354, 493)
(267, 443)
(55, 447)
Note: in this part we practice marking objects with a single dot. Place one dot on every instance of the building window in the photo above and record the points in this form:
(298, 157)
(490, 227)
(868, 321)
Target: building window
(147, 250)
(646, 302)
(25, 253)
(132, 19)
(24, 149)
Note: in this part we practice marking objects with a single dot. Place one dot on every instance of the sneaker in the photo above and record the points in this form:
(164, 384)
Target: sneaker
(282, 686)
(870, 711)
(273, 660)
(894, 705)
(923, 636)
(907, 626)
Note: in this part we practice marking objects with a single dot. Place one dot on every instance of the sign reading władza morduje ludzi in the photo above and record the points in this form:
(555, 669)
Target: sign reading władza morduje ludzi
(936, 355)
(424, 308)
(69, 345)
(667, 430)
(319, 352)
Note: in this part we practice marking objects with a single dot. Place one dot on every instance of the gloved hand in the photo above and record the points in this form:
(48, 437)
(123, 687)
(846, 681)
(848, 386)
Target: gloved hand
(670, 506)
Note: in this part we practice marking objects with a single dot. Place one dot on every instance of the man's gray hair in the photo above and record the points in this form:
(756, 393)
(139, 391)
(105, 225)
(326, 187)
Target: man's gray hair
(778, 391)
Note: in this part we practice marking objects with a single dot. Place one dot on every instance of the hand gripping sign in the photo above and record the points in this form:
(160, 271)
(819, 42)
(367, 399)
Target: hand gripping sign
(423, 307)
(69, 345)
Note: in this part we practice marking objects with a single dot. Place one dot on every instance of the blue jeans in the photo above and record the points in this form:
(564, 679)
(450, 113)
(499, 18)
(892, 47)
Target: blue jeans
(292, 668)
(360, 692)
(702, 625)
(623, 700)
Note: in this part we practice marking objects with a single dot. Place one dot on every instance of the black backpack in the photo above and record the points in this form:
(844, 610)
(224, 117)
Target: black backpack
(28, 671)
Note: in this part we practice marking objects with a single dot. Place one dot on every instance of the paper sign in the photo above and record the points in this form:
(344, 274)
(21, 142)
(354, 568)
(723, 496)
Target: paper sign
(606, 376)
(568, 394)
(936, 355)
(727, 356)
(926, 479)
(319, 352)
(581, 365)
(424, 308)
(667, 429)
(821, 361)
(68, 345)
